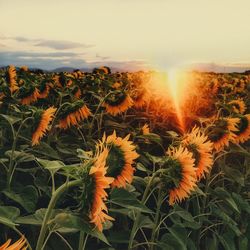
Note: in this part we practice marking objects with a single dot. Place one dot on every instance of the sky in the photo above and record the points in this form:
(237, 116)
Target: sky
(125, 33)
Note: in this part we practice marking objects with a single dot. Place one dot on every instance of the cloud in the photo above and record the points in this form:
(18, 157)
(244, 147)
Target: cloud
(53, 44)
(102, 57)
(41, 60)
(62, 45)
(52, 60)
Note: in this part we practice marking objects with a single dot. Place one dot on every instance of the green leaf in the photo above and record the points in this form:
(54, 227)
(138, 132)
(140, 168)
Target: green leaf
(36, 219)
(226, 219)
(227, 240)
(52, 166)
(235, 175)
(26, 197)
(184, 214)
(8, 215)
(69, 221)
(180, 235)
(176, 239)
(123, 198)
(224, 195)
(11, 119)
(20, 156)
(243, 204)
(151, 137)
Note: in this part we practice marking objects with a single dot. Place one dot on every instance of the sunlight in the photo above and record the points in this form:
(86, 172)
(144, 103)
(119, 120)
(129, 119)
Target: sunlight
(176, 89)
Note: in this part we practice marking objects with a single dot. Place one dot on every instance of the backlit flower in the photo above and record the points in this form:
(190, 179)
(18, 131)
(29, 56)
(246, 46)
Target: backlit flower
(198, 144)
(100, 182)
(120, 159)
(42, 119)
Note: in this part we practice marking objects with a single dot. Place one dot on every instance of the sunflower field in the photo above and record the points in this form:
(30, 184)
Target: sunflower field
(109, 161)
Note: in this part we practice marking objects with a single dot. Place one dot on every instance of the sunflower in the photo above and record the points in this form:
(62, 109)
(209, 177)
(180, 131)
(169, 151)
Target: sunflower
(11, 78)
(18, 245)
(28, 94)
(120, 158)
(239, 86)
(24, 68)
(118, 102)
(179, 174)
(72, 114)
(198, 144)
(243, 134)
(117, 85)
(44, 90)
(42, 118)
(222, 132)
(100, 182)
(140, 97)
(145, 129)
(238, 106)
(76, 91)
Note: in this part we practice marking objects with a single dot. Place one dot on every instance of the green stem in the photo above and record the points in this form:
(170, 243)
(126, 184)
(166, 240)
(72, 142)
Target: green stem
(50, 208)
(11, 164)
(97, 109)
(81, 240)
(144, 198)
(157, 216)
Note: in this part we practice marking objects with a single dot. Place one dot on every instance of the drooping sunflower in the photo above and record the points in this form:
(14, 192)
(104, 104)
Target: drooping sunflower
(179, 174)
(243, 134)
(24, 68)
(201, 148)
(44, 90)
(11, 78)
(120, 159)
(73, 113)
(238, 106)
(18, 245)
(42, 120)
(239, 85)
(100, 182)
(222, 132)
(27, 94)
(118, 102)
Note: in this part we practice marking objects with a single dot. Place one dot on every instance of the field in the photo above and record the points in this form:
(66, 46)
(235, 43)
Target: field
(143, 160)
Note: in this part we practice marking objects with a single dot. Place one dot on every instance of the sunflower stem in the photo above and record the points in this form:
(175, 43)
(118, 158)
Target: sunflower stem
(144, 198)
(59, 191)
(81, 240)
(97, 109)
(157, 216)
(11, 164)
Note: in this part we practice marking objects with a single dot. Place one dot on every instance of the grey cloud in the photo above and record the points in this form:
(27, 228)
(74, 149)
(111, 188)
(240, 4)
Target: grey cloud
(102, 57)
(54, 60)
(61, 45)
(53, 44)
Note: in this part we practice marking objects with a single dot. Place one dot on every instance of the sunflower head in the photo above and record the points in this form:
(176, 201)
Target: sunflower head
(96, 185)
(117, 102)
(201, 148)
(238, 106)
(120, 159)
(179, 175)
(24, 68)
(171, 174)
(218, 130)
(222, 132)
(243, 133)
